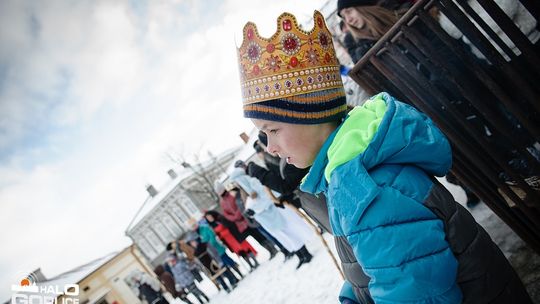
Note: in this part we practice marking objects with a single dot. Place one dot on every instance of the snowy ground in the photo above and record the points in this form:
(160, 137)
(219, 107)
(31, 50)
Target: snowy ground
(276, 281)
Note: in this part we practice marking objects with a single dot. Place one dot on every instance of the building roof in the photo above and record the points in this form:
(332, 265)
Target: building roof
(76, 275)
(151, 202)
(182, 173)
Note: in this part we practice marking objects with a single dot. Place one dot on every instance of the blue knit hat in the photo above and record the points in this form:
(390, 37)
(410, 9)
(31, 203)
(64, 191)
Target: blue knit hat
(310, 108)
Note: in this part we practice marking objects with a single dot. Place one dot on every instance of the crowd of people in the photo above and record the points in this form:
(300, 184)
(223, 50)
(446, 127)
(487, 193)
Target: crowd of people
(246, 208)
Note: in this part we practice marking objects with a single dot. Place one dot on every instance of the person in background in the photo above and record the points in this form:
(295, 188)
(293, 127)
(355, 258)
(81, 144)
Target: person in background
(233, 210)
(207, 235)
(184, 278)
(282, 223)
(149, 289)
(367, 21)
(180, 248)
(212, 265)
(167, 279)
(222, 228)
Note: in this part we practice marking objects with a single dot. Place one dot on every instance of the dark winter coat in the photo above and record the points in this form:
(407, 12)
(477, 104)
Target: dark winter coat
(149, 294)
(284, 180)
(357, 48)
(168, 280)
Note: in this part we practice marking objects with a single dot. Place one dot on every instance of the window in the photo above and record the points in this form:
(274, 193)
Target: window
(152, 238)
(171, 225)
(145, 247)
(163, 233)
(179, 213)
(191, 208)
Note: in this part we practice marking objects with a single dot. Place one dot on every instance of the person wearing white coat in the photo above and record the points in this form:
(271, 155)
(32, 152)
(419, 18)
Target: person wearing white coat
(282, 223)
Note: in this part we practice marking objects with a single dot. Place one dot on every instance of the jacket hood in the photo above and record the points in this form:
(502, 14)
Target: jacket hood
(384, 131)
(381, 131)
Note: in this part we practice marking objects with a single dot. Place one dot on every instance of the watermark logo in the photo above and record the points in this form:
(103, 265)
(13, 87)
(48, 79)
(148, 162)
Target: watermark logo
(27, 291)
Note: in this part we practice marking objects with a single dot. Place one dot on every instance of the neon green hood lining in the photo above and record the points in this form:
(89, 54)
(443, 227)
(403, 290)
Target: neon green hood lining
(356, 133)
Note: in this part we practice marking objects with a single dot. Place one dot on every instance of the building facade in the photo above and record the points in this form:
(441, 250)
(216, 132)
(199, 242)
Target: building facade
(166, 212)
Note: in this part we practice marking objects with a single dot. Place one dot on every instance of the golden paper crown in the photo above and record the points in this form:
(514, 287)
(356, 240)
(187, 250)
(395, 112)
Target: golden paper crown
(289, 63)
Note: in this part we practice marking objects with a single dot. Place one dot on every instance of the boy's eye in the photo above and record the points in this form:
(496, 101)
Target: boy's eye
(273, 131)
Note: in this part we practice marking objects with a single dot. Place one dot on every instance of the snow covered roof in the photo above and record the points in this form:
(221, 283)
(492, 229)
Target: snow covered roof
(79, 273)
(152, 202)
(182, 173)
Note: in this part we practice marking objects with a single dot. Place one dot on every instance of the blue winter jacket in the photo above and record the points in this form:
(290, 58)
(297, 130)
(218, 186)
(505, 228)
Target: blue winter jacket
(376, 170)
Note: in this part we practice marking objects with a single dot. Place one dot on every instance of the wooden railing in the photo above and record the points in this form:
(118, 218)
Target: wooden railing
(488, 108)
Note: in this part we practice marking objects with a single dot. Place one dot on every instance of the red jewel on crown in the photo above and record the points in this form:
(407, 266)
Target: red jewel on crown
(327, 57)
(324, 40)
(287, 25)
(291, 44)
(250, 33)
(256, 70)
(293, 62)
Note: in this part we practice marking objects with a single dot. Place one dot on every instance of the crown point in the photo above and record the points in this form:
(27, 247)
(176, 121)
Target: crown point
(287, 25)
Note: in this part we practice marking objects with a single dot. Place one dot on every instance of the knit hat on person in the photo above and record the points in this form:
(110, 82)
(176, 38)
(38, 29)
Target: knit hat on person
(293, 76)
(239, 164)
(341, 4)
(219, 188)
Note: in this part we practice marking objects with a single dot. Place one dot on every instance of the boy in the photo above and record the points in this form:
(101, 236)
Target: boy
(376, 166)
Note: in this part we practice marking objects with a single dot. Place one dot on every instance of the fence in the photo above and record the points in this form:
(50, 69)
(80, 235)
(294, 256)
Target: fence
(488, 108)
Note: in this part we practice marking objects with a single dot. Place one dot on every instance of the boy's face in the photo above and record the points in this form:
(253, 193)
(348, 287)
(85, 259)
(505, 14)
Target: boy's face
(297, 144)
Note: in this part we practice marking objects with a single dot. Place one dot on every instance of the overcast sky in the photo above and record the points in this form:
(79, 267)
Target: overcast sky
(92, 96)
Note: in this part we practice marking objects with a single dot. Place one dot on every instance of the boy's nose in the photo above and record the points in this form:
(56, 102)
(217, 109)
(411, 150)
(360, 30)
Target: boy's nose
(271, 148)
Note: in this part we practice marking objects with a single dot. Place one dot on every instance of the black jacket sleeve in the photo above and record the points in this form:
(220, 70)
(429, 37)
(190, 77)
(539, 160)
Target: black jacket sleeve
(270, 178)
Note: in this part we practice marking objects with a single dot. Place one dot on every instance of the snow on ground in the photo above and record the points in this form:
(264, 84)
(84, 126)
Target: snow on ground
(276, 281)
